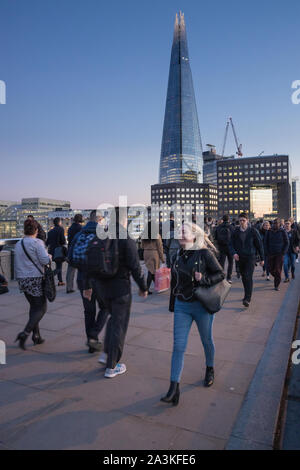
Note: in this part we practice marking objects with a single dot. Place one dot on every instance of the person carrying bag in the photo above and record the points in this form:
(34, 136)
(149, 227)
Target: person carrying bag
(30, 259)
(196, 273)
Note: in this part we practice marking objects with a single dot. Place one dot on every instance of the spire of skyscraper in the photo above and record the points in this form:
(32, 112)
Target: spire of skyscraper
(181, 149)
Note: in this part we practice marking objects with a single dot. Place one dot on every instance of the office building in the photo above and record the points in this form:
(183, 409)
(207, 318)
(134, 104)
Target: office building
(260, 186)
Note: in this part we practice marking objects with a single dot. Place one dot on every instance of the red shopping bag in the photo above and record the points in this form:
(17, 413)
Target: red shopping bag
(162, 279)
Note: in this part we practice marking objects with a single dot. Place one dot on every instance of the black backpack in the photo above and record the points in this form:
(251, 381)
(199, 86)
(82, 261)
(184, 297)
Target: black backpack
(223, 235)
(95, 256)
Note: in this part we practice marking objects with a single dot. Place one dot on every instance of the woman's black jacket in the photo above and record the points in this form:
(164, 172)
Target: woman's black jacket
(184, 265)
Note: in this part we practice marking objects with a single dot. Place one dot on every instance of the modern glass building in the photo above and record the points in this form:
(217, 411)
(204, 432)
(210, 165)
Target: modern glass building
(181, 149)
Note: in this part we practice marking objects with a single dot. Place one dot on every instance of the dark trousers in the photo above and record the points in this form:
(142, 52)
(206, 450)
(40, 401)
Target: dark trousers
(117, 325)
(275, 267)
(150, 278)
(58, 270)
(246, 265)
(224, 253)
(266, 266)
(38, 308)
(94, 323)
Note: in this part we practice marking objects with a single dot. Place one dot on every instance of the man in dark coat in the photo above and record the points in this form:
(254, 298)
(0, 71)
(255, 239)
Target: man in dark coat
(222, 237)
(56, 238)
(245, 243)
(276, 245)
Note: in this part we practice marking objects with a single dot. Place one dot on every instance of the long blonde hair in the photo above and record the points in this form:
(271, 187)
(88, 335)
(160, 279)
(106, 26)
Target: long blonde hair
(201, 238)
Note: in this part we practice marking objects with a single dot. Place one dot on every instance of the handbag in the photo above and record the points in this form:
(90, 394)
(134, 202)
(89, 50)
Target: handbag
(48, 277)
(213, 297)
(60, 254)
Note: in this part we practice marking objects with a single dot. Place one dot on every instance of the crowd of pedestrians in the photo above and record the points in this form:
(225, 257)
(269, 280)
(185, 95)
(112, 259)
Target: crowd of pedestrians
(196, 257)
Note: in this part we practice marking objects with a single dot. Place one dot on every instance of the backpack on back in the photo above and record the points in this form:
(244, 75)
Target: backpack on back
(224, 235)
(95, 256)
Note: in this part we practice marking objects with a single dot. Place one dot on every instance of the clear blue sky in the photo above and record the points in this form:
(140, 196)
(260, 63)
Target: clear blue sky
(87, 80)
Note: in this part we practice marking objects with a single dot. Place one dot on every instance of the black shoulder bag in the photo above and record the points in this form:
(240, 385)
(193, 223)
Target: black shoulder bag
(48, 277)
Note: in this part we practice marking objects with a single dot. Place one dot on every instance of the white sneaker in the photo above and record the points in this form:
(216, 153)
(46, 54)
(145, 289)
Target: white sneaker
(102, 358)
(119, 369)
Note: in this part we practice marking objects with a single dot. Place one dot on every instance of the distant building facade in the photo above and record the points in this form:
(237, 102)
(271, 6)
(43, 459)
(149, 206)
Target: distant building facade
(296, 198)
(260, 186)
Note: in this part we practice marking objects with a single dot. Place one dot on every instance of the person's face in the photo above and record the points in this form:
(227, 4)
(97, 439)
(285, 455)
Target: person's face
(276, 224)
(287, 226)
(187, 236)
(243, 222)
(266, 226)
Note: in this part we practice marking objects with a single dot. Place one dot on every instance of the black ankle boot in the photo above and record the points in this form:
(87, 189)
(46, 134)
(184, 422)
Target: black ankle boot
(209, 376)
(37, 340)
(22, 337)
(172, 395)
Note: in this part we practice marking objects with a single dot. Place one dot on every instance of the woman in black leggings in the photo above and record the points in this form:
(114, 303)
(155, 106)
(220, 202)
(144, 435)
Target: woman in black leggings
(30, 259)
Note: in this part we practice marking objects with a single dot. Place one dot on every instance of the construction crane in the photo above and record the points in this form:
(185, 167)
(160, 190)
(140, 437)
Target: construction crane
(238, 146)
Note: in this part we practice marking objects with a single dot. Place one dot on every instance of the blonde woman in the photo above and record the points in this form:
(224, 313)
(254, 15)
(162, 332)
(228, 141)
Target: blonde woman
(194, 265)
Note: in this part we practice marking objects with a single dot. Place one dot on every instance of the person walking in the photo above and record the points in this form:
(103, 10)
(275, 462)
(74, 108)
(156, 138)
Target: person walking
(194, 265)
(153, 253)
(276, 244)
(72, 231)
(56, 239)
(265, 227)
(94, 322)
(41, 232)
(115, 292)
(244, 245)
(292, 252)
(30, 259)
(222, 237)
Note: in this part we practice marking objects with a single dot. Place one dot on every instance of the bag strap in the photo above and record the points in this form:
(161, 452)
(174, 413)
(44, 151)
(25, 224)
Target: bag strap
(26, 253)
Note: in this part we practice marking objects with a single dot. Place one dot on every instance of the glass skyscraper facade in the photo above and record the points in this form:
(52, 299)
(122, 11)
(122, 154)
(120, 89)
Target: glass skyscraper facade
(181, 149)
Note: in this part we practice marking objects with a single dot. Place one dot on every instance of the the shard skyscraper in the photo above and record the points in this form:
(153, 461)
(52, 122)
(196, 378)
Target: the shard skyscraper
(181, 149)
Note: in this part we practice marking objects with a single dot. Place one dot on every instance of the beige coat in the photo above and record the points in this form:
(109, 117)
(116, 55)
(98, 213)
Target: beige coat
(153, 253)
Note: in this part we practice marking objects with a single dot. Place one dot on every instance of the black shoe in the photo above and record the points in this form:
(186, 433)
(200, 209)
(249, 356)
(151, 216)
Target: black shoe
(149, 292)
(246, 303)
(209, 377)
(70, 291)
(22, 337)
(286, 280)
(172, 395)
(94, 345)
(37, 340)
(276, 288)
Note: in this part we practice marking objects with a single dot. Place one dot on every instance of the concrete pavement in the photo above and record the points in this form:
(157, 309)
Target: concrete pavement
(54, 396)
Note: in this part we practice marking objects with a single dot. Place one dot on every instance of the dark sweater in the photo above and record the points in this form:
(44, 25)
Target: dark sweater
(56, 237)
(246, 244)
(276, 242)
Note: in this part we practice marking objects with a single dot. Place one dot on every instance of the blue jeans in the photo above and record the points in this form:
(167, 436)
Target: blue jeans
(184, 314)
(289, 263)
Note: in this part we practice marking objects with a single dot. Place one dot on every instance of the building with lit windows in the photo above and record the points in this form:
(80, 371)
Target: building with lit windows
(296, 198)
(260, 186)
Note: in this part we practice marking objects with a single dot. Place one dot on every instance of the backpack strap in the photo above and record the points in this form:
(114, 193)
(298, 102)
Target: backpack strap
(28, 256)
